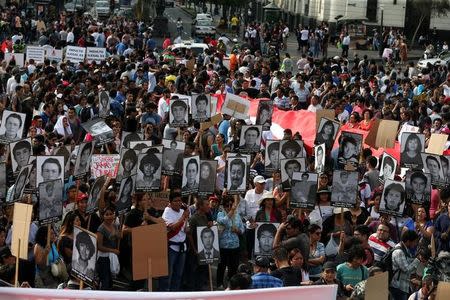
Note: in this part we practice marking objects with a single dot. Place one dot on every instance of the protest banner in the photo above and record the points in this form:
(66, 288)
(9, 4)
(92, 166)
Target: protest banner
(36, 53)
(318, 292)
(19, 58)
(105, 164)
(95, 54)
(21, 230)
(377, 287)
(54, 54)
(149, 258)
(75, 54)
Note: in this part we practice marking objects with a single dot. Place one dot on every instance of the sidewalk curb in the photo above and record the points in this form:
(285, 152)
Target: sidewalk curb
(183, 8)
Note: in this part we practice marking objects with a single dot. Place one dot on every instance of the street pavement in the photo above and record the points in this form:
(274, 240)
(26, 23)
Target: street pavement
(187, 16)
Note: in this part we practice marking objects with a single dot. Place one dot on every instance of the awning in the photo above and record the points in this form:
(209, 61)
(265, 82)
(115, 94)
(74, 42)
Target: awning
(349, 19)
(271, 6)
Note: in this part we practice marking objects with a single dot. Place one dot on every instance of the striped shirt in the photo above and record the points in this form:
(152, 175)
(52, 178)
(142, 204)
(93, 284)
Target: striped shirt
(379, 247)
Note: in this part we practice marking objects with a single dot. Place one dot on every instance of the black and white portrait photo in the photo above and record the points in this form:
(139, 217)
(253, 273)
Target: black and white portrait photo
(291, 149)
(99, 130)
(319, 158)
(94, 194)
(82, 164)
(201, 107)
(272, 158)
(250, 141)
(349, 149)
(411, 145)
(140, 145)
(418, 187)
(208, 172)
(303, 190)
(49, 168)
(128, 163)
(104, 109)
(123, 203)
(20, 154)
(149, 172)
(191, 175)
(264, 115)
(264, 237)
(172, 157)
(388, 167)
(50, 201)
(432, 165)
(288, 167)
(11, 128)
(128, 137)
(208, 245)
(31, 186)
(65, 152)
(326, 133)
(236, 175)
(84, 255)
(345, 188)
(445, 163)
(393, 198)
(21, 180)
(178, 112)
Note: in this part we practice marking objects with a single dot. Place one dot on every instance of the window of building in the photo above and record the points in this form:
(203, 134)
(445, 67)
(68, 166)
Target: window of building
(371, 12)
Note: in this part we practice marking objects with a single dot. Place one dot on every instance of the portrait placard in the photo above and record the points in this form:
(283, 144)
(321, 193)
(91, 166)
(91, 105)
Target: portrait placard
(20, 154)
(288, 167)
(11, 127)
(102, 133)
(250, 140)
(345, 188)
(123, 203)
(393, 198)
(272, 157)
(149, 172)
(178, 113)
(191, 175)
(64, 151)
(411, 145)
(388, 167)
(208, 245)
(326, 133)
(303, 190)
(82, 163)
(20, 182)
(84, 255)
(50, 201)
(290, 149)
(432, 165)
(104, 108)
(264, 237)
(128, 163)
(236, 175)
(264, 115)
(128, 137)
(418, 187)
(319, 158)
(49, 168)
(173, 153)
(94, 194)
(349, 150)
(208, 175)
(201, 107)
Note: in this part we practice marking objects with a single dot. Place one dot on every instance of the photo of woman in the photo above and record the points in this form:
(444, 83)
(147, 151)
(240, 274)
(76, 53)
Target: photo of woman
(412, 144)
(326, 133)
(393, 198)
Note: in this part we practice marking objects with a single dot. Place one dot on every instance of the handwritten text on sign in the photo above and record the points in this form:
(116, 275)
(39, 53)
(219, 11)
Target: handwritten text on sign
(75, 54)
(105, 164)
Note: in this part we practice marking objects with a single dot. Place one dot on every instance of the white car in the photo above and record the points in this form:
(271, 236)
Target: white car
(442, 59)
(203, 27)
(102, 8)
(204, 17)
(196, 48)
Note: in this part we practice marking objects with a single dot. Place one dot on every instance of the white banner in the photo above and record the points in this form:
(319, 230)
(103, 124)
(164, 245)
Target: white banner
(318, 292)
(54, 54)
(37, 53)
(75, 54)
(94, 53)
(18, 57)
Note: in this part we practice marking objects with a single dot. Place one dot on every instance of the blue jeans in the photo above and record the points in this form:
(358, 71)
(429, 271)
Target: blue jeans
(176, 267)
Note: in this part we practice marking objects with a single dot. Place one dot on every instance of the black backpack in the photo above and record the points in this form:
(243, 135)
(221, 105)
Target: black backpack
(386, 263)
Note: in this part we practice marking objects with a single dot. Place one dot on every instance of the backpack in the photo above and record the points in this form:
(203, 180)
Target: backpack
(386, 263)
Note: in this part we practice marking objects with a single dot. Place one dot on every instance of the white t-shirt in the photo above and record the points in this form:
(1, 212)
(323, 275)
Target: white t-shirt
(304, 34)
(250, 205)
(314, 108)
(171, 216)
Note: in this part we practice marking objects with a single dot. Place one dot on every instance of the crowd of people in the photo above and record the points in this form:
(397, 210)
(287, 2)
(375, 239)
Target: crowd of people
(263, 241)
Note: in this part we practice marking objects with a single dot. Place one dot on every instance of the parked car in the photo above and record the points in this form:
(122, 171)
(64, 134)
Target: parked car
(102, 8)
(204, 17)
(203, 27)
(442, 59)
(170, 3)
(74, 6)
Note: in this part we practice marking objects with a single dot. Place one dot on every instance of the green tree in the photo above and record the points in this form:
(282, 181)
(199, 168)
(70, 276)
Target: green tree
(428, 9)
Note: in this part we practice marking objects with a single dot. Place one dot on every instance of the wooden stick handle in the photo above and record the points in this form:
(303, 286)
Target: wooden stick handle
(16, 275)
(149, 272)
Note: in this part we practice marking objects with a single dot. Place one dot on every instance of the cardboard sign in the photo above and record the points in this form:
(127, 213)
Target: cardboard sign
(95, 54)
(105, 164)
(324, 113)
(236, 106)
(377, 287)
(37, 53)
(437, 143)
(149, 242)
(54, 54)
(382, 134)
(160, 199)
(214, 120)
(19, 58)
(75, 54)
(21, 229)
(443, 290)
